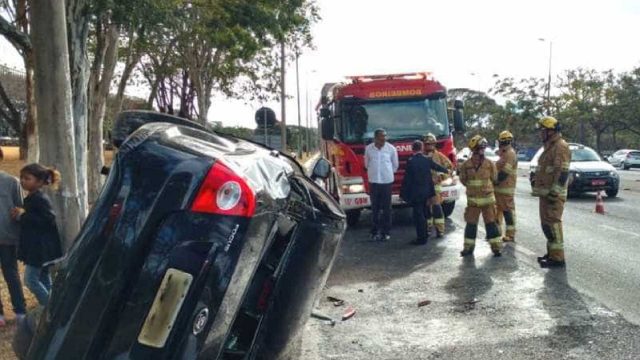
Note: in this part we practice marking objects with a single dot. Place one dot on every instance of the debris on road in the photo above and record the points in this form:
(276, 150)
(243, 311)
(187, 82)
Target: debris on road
(360, 290)
(336, 302)
(424, 303)
(472, 301)
(348, 314)
(320, 316)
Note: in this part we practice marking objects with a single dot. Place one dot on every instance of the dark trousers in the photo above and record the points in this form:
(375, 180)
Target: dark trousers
(9, 265)
(380, 202)
(420, 216)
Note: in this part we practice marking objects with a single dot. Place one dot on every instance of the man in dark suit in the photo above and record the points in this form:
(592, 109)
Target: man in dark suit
(417, 188)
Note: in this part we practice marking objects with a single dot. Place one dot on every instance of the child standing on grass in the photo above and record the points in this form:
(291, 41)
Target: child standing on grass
(10, 197)
(39, 238)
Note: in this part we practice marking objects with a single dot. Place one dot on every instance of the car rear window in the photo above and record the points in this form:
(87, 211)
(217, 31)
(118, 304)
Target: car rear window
(635, 154)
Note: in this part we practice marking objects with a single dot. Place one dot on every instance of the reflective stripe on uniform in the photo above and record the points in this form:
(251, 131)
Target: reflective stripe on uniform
(495, 240)
(540, 191)
(508, 169)
(438, 188)
(511, 228)
(469, 242)
(565, 165)
(505, 191)
(478, 183)
(555, 245)
(439, 220)
(481, 201)
(560, 190)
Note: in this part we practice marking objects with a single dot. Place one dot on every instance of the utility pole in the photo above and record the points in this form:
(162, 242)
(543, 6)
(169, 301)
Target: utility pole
(549, 78)
(283, 97)
(307, 114)
(549, 82)
(299, 132)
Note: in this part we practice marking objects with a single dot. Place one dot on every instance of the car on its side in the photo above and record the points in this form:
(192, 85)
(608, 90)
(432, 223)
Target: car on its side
(625, 159)
(200, 246)
(587, 172)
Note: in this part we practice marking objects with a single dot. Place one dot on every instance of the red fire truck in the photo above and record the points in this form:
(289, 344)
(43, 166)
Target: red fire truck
(407, 106)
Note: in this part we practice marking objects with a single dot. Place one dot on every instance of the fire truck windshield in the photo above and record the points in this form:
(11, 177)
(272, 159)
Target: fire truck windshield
(402, 119)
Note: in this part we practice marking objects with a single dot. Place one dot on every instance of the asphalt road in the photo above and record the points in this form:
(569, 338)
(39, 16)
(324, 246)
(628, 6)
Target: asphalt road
(502, 308)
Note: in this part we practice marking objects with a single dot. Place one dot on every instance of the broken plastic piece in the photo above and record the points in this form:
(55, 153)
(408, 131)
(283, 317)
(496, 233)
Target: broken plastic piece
(321, 316)
(348, 314)
(424, 303)
(336, 302)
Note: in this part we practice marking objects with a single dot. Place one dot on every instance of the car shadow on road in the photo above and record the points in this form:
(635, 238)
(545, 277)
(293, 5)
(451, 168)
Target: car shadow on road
(361, 260)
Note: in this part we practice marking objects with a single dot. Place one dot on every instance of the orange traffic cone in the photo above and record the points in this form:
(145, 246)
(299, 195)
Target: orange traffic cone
(599, 203)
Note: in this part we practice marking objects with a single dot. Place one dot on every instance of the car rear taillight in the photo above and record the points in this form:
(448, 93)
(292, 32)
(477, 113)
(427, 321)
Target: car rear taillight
(224, 192)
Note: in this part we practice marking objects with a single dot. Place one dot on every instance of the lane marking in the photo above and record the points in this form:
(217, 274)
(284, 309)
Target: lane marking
(612, 228)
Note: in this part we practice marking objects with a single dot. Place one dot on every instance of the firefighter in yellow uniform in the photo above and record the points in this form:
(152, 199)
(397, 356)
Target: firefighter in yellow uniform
(507, 167)
(550, 185)
(436, 217)
(479, 174)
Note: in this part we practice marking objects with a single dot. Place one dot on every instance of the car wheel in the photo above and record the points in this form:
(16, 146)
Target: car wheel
(624, 166)
(612, 193)
(447, 208)
(353, 216)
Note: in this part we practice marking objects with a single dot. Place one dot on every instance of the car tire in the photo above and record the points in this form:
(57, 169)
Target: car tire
(612, 193)
(447, 208)
(353, 216)
(624, 166)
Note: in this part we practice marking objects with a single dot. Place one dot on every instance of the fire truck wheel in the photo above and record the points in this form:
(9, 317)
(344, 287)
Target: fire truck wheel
(353, 216)
(448, 207)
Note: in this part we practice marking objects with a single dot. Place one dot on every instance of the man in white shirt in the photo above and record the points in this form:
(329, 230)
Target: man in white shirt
(381, 162)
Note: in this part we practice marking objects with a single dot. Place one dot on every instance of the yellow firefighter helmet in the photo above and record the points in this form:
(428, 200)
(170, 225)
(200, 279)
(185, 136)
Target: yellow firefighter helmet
(429, 139)
(477, 142)
(549, 123)
(505, 136)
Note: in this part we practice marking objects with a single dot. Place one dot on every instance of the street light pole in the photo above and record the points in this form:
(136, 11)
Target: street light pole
(549, 79)
(299, 132)
(283, 97)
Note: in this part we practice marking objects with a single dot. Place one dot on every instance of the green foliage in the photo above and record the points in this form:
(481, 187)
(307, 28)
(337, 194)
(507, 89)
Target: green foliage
(596, 108)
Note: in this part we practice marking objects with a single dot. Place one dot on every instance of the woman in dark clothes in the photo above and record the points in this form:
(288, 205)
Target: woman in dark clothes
(39, 238)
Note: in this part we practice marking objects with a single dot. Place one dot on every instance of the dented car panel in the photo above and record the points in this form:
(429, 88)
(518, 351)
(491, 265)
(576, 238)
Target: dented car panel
(153, 276)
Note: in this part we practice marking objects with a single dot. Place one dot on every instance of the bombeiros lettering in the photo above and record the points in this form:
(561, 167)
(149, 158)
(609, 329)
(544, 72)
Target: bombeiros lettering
(395, 93)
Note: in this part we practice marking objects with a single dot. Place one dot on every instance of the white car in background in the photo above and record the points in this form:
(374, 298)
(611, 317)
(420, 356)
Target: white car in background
(625, 159)
(489, 153)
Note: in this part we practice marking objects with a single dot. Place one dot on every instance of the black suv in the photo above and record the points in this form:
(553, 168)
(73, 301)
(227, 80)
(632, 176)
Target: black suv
(200, 246)
(587, 172)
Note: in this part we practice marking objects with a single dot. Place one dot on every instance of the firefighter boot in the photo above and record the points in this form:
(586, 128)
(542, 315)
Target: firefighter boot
(495, 240)
(470, 232)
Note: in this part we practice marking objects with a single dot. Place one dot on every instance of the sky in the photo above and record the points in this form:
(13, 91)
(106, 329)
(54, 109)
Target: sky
(462, 42)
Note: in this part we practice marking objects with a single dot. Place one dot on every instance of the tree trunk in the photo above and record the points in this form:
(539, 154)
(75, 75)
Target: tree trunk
(30, 129)
(77, 33)
(53, 101)
(133, 57)
(29, 146)
(99, 94)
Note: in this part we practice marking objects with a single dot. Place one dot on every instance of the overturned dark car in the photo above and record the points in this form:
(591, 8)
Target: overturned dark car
(200, 246)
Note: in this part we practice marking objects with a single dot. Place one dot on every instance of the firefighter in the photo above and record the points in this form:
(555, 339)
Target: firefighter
(435, 203)
(550, 185)
(479, 174)
(507, 167)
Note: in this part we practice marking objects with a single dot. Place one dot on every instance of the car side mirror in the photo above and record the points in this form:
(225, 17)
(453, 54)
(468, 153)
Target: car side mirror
(321, 170)
(326, 124)
(458, 116)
